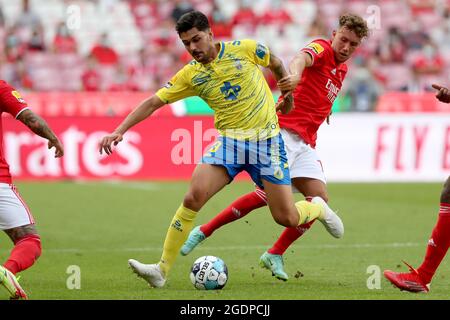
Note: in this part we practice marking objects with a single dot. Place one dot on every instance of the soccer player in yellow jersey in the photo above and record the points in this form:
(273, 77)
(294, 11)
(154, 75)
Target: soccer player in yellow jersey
(227, 76)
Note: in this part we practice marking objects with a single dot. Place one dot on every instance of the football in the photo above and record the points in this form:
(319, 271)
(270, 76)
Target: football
(209, 273)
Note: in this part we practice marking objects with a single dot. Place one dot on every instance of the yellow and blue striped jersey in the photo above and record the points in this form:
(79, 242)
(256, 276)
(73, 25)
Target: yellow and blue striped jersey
(234, 87)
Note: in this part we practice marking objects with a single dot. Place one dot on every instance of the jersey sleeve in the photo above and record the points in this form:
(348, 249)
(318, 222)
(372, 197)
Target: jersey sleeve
(317, 51)
(257, 52)
(179, 87)
(11, 101)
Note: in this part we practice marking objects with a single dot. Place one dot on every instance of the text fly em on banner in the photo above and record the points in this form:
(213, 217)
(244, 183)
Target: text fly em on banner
(386, 147)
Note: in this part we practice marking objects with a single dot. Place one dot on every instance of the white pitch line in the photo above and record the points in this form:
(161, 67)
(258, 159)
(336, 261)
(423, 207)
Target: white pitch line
(146, 186)
(243, 248)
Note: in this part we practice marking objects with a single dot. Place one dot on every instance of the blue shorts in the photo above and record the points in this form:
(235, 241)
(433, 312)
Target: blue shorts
(265, 159)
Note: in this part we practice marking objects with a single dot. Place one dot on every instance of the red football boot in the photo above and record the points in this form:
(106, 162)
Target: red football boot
(408, 281)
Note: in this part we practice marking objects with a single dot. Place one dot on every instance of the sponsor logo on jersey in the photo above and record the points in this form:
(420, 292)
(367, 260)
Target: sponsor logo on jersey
(229, 91)
(317, 48)
(261, 51)
(17, 96)
(333, 90)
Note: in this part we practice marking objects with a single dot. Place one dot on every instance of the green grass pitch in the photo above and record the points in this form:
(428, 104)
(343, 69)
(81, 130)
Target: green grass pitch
(99, 226)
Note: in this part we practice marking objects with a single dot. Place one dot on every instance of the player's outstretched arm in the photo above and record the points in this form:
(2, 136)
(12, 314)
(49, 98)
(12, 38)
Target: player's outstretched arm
(279, 72)
(41, 128)
(443, 94)
(296, 67)
(141, 112)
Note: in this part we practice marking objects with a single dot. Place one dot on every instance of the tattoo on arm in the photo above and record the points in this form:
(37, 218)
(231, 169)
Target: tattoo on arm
(37, 125)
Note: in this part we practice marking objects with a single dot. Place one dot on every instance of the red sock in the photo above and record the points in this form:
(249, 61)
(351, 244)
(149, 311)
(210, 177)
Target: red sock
(289, 235)
(25, 252)
(238, 209)
(437, 245)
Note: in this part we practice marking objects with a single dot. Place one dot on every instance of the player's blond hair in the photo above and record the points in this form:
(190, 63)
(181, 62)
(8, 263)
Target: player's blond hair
(354, 23)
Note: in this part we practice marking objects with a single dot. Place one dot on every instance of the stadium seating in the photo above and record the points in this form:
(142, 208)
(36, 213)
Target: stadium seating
(134, 26)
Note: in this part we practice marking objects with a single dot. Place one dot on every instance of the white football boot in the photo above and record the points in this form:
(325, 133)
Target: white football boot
(9, 281)
(149, 272)
(331, 220)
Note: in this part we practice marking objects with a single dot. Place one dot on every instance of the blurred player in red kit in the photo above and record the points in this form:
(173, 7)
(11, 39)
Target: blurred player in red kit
(419, 280)
(15, 217)
(316, 76)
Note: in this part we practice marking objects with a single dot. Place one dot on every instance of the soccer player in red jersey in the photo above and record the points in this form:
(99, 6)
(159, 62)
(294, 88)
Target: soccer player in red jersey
(15, 217)
(419, 280)
(316, 76)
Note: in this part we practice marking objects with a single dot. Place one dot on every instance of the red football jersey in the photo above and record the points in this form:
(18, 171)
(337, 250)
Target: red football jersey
(315, 93)
(10, 102)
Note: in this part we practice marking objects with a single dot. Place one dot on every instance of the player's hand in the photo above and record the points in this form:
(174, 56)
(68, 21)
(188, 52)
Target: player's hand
(443, 94)
(107, 141)
(289, 82)
(285, 103)
(59, 149)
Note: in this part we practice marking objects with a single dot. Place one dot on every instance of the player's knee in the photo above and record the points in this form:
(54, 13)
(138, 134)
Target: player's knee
(290, 221)
(445, 195)
(193, 200)
(286, 220)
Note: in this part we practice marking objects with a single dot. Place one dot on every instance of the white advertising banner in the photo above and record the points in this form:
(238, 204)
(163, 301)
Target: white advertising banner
(355, 147)
(385, 147)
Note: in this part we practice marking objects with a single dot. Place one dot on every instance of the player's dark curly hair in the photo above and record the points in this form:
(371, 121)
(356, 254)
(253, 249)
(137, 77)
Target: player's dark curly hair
(354, 23)
(192, 19)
